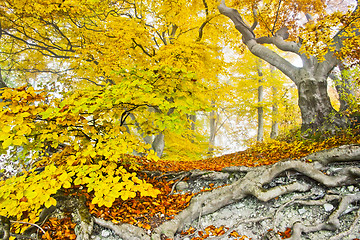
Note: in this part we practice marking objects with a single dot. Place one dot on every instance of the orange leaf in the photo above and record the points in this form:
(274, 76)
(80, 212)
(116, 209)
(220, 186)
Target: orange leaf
(234, 234)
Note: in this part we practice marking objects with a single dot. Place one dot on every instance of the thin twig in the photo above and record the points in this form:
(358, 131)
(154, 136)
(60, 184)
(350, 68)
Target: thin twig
(32, 224)
(177, 182)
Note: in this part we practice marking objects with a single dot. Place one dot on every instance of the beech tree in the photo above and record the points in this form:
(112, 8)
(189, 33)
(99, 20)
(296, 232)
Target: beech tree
(311, 79)
(83, 43)
(148, 65)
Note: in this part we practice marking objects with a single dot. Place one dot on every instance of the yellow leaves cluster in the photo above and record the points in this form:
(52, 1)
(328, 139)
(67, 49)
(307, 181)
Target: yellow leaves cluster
(17, 115)
(23, 196)
(96, 40)
(82, 139)
(109, 182)
(94, 123)
(322, 36)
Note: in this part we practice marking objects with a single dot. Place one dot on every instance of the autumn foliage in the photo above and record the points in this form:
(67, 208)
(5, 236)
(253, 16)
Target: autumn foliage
(80, 138)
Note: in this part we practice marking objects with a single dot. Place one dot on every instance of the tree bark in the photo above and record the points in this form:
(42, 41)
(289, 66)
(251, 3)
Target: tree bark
(274, 114)
(158, 144)
(316, 109)
(260, 109)
(212, 132)
(192, 119)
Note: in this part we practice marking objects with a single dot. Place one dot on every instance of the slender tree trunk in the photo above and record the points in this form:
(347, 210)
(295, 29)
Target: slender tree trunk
(2, 83)
(260, 110)
(212, 130)
(192, 119)
(274, 115)
(157, 142)
(275, 109)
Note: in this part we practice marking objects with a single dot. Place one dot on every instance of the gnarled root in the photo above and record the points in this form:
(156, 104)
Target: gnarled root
(331, 224)
(253, 184)
(125, 231)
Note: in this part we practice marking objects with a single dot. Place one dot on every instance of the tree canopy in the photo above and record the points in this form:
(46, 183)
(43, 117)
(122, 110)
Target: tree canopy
(88, 86)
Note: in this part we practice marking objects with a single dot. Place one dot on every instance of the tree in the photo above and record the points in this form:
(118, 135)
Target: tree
(260, 110)
(150, 66)
(78, 44)
(275, 111)
(345, 87)
(311, 79)
(91, 125)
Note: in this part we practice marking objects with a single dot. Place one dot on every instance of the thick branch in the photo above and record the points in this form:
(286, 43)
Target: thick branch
(256, 48)
(344, 153)
(280, 43)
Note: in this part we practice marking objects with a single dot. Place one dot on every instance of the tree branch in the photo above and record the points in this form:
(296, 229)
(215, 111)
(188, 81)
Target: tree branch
(280, 43)
(256, 48)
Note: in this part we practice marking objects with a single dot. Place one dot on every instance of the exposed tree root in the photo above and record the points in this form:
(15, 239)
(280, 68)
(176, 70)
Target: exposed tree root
(125, 231)
(331, 224)
(350, 230)
(86, 220)
(345, 153)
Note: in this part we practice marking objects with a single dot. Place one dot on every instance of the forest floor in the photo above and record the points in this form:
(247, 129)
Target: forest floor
(173, 178)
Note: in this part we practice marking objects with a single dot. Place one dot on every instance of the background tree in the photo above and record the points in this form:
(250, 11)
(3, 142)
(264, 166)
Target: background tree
(241, 104)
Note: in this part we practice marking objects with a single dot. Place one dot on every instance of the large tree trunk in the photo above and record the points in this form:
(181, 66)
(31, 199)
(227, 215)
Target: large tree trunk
(158, 144)
(316, 109)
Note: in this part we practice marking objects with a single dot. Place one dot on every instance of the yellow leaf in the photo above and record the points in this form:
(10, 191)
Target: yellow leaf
(4, 136)
(24, 130)
(63, 176)
(92, 154)
(66, 184)
(153, 156)
(7, 143)
(127, 194)
(50, 202)
(6, 128)
(18, 141)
